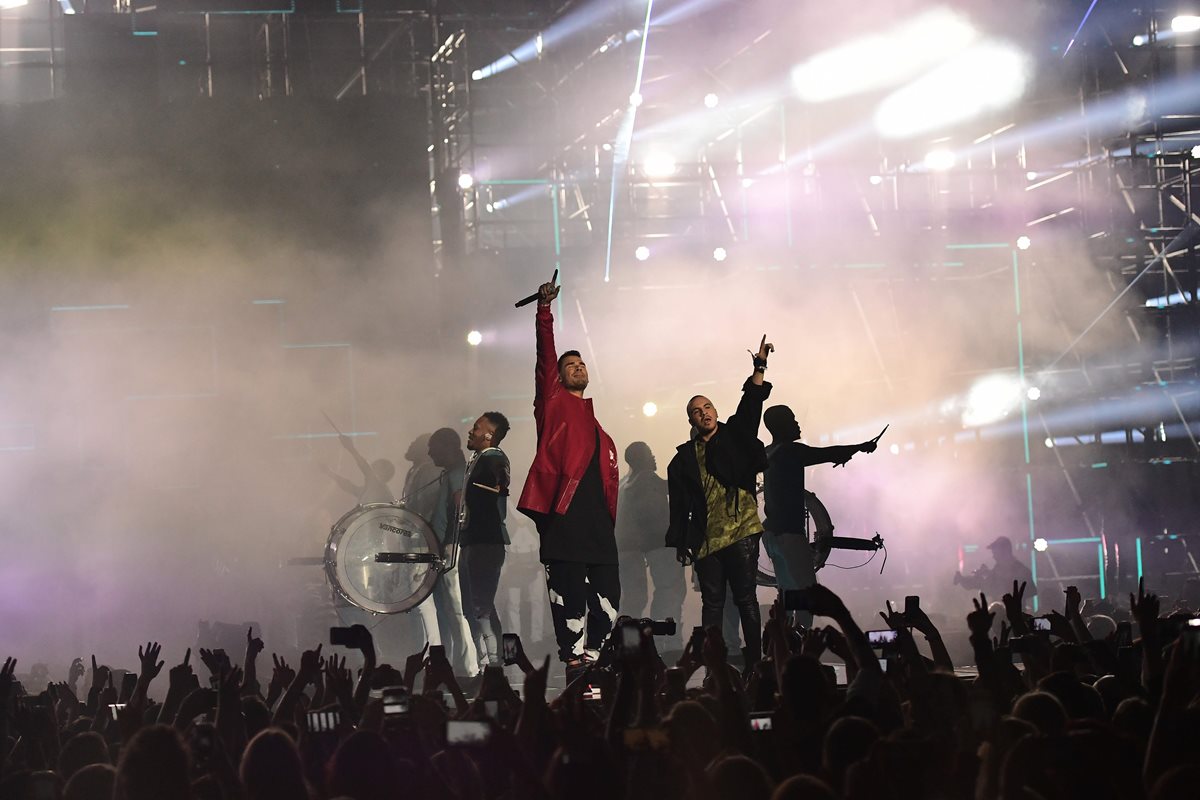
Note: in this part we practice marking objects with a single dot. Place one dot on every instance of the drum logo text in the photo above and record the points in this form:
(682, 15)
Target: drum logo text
(394, 529)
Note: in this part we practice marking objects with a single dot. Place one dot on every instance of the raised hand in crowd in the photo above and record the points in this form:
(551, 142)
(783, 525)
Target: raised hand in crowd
(1014, 608)
(217, 662)
(254, 646)
(281, 678)
(1145, 608)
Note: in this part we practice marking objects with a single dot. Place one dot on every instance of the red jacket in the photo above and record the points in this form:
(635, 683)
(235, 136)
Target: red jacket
(566, 431)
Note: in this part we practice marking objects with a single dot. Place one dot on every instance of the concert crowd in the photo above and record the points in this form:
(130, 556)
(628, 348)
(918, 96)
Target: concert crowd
(1101, 705)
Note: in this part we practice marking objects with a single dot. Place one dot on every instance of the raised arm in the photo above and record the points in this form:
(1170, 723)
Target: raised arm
(755, 391)
(363, 464)
(545, 371)
(344, 484)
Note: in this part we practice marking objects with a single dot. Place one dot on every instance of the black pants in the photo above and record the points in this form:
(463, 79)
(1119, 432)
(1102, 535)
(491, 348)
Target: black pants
(479, 568)
(737, 567)
(583, 602)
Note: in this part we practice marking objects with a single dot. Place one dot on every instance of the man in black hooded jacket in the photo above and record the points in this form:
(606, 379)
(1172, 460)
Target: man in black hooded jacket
(714, 507)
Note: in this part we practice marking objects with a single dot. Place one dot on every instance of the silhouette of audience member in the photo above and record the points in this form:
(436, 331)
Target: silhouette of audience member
(154, 765)
(93, 782)
(271, 768)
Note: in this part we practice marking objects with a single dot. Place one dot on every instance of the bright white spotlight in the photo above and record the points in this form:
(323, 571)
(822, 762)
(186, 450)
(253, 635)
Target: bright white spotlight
(1023, 242)
(477, 75)
(1034, 393)
(538, 44)
(1049, 442)
(659, 164)
(940, 160)
(1185, 23)
(894, 449)
(875, 180)
(466, 180)
(649, 409)
(13, 3)
(1031, 176)
(606, 147)
(635, 99)
(474, 338)
(982, 78)
(489, 208)
(641, 253)
(1040, 544)
(1140, 40)
(720, 254)
(883, 59)
(711, 100)
(747, 183)
(1196, 151)
(990, 399)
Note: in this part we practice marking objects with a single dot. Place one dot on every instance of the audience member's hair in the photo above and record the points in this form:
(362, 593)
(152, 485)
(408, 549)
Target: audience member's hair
(363, 768)
(803, 787)
(848, 740)
(81, 750)
(741, 777)
(93, 782)
(271, 768)
(1043, 710)
(154, 765)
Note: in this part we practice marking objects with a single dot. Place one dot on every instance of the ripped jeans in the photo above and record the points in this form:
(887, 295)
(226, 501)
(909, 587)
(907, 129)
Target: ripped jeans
(583, 603)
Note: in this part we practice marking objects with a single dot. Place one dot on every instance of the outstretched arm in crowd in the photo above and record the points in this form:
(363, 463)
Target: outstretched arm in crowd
(1181, 682)
(827, 604)
(920, 621)
(310, 670)
(1145, 608)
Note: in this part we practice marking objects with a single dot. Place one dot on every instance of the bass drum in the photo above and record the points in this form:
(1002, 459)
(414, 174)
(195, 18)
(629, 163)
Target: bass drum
(382, 588)
(818, 517)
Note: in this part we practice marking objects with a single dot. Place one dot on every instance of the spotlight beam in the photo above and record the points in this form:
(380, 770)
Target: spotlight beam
(1082, 22)
(1186, 238)
(624, 139)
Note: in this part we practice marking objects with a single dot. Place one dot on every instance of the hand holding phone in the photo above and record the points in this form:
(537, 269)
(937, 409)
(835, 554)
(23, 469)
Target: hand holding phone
(511, 645)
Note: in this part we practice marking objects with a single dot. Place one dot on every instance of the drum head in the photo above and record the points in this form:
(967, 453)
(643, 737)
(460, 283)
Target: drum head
(374, 528)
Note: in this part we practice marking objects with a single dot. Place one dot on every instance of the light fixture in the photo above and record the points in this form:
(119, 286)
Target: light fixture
(538, 44)
(980, 79)
(1023, 242)
(477, 75)
(1140, 40)
(1033, 393)
(711, 100)
(1196, 151)
(606, 147)
(720, 254)
(1040, 544)
(489, 208)
(990, 399)
(940, 160)
(466, 180)
(875, 180)
(635, 99)
(642, 252)
(6, 4)
(1185, 23)
(474, 338)
(1031, 176)
(649, 409)
(659, 164)
(1049, 443)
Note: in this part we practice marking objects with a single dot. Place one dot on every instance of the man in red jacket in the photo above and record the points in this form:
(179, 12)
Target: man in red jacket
(571, 494)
